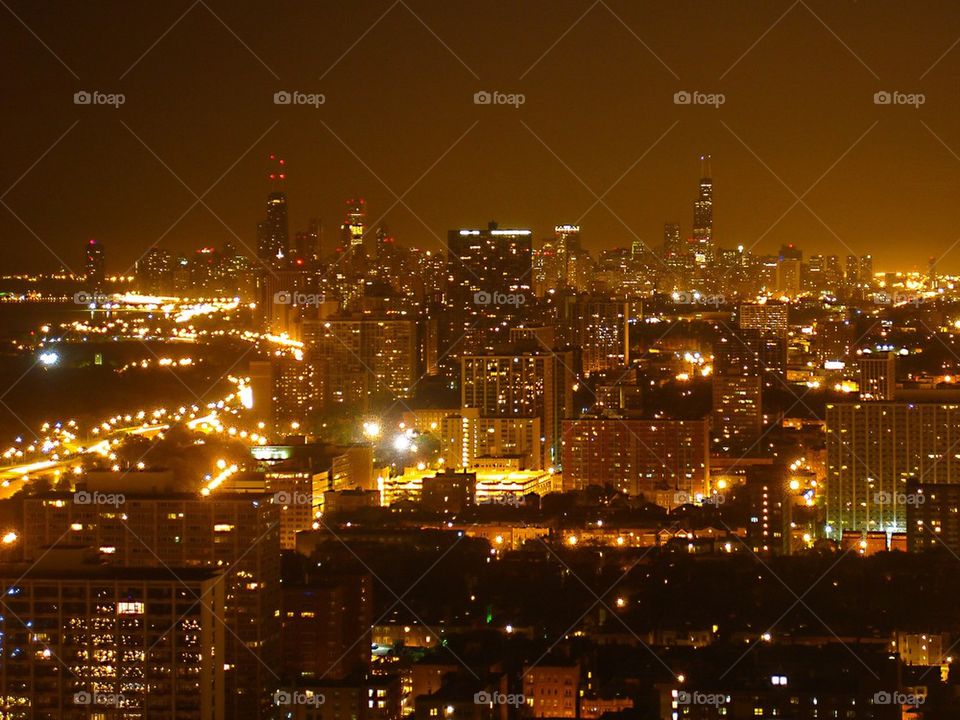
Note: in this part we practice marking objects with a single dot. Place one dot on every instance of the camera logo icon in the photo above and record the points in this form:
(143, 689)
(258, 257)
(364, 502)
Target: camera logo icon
(282, 97)
(482, 97)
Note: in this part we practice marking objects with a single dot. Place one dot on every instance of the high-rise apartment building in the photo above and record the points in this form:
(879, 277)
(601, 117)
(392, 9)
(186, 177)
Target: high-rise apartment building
(489, 280)
(237, 534)
(358, 358)
(769, 318)
(600, 327)
(737, 411)
(874, 449)
(637, 456)
(95, 262)
(526, 382)
(83, 639)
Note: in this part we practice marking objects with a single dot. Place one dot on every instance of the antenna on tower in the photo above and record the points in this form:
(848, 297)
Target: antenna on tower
(705, 166)
(277, 169)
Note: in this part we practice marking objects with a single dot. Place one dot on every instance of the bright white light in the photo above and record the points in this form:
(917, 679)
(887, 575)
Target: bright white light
(49, 358)
(401, 443)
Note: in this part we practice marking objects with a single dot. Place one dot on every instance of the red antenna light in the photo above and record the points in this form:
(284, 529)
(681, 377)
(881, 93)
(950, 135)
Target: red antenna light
(277, 169)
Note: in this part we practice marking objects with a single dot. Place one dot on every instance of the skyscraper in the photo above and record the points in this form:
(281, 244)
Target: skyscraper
(355, 224)
(874, 449)
(95, 262)
(600, 326)
(155, 271)
(277, 236)
(524, 381)
(237, 534)
(490, 279)
(122, 642)
(273, 234)
(703, 215)
(567, 243)
(672, 244)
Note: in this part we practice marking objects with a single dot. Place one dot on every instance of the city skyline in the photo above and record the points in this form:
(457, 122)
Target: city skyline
(417, 360)
(882, 176)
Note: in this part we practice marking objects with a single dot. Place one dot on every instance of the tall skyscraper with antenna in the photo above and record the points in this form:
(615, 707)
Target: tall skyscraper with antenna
(703, 215)
(273, 234)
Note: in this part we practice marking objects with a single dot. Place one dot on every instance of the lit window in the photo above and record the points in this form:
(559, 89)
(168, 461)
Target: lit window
(130, 608)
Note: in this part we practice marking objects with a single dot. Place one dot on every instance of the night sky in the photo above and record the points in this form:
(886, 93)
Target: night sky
(399, 120)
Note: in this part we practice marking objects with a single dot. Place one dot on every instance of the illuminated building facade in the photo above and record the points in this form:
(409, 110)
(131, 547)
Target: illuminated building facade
(295, 388)
(599, 326)
(878, 376)
(489, 279)
(703, 245)
(358, 357)
(768, 519)
(273, 234)
(874, 449)
(237, 533)
(552, 690)
(636, 456)
(769, 318)
(526, 384)
(155, 271)
(354, 225)
(87, 640)
(466, 436)
(934, 522)
(95, 263)
(737, 410)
